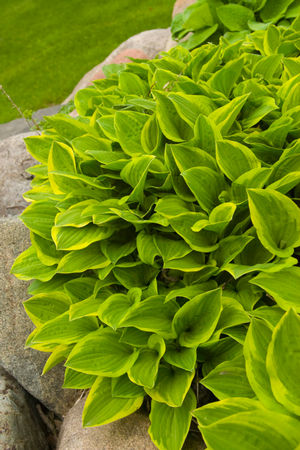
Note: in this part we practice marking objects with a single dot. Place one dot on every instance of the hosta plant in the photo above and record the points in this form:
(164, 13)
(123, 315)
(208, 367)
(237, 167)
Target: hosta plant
(165, 234)
(209, 19)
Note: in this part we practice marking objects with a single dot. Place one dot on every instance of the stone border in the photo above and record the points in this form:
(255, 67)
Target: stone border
(145, 45)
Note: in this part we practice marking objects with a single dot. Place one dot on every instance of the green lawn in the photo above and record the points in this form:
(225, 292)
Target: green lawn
(46, 46)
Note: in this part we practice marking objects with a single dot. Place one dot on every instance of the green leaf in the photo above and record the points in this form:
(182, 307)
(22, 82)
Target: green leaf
(107, 125)
(172, 206)
(194, 262)
(135, 275)
(276, 219)
(283, 361)
(79, 288)
(134, 337)
(203, 241)
(274, 9)
(71, 238)
(77, 380)
(134, 174)
(132, 84)
(224, 79)
(232, 313)
(238, 270)
(218, 219)
(292, 100)
(45, 250)
(101, 407)
(67, 126)
(225, 116)
(251, 430)
(229, 248)
(28, 266)
(117, 247)
(83, 99)
(191, 291)
(146, 247)
(259, 108)
(205, 132)
(206, 185)
(271, 40)
(165, 420)
(122, 387)
(255, 351)
(114, 309)
(87, 307)
(199, 37)
(189, 107)
(213, 412)
(128, 126)
(254, 178)
(187, 156)
(234, 159)
(235, 17)
(171, 124)
(283, 286)
(43, 307)
(61, 158)
(228, 380)
(82, 260)
(61, 331)
(39, 147)
(152, 315)
(39, 217)
(266, 68)
(198, 16)
(145, 369)
(215, 352)
(270, 314)
(245, 293)
(151, 137)
(72, 217)
(172, 386)
(102, 354)
(170, 249)
(57, 356)
(196, 320)
(182, 357)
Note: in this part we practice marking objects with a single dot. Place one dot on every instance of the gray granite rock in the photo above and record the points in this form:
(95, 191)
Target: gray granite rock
(18, 126)
(21, 427)
(14, 181)
(24, 365)
(130, 433)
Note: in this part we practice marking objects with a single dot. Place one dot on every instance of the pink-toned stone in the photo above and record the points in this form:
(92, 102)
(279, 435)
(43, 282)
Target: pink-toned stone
(130, 433)
(145, 45)
(180, 6)
(122, 57)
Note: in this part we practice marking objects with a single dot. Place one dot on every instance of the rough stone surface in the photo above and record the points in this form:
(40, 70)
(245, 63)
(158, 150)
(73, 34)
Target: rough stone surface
(14, 181)
(180, 6)
(20, 425)
(170, 44)
(18, 126)
(24, 365)
(130, 433)
(144, 45)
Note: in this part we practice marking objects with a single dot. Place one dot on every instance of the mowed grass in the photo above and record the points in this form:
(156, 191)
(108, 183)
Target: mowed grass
(46, 46)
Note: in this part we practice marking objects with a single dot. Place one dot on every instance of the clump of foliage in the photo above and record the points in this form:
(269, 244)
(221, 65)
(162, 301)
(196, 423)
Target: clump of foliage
(210, 19)
(165, 234)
